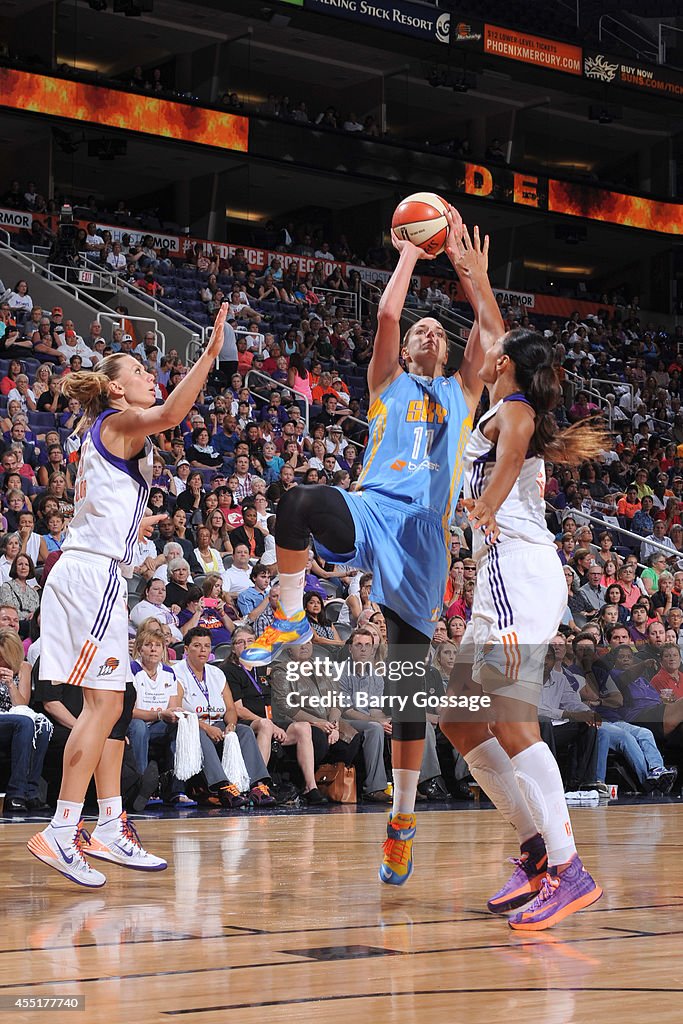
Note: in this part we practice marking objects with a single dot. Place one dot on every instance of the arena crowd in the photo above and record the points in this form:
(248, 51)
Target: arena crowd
(612, 701)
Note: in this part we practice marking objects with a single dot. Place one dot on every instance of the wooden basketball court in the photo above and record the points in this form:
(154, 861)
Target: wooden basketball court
(281, 918)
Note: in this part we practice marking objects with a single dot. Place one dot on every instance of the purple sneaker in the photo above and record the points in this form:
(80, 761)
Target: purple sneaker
(559, 896)
(525, 881)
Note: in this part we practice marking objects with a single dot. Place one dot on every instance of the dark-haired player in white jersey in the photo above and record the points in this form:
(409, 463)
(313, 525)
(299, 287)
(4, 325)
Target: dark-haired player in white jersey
(518, 604)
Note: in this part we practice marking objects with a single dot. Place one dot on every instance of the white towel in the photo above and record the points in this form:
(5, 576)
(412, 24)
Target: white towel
(233, 763)
(188, 749)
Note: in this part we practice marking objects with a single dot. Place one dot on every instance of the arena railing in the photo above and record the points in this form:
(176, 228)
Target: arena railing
(279, 387)
(162, 307)
(577, 384)
(70, 287)
(346, 301)
(300, 398)
(87, 277)
(457, 330)
(117, 320)
(616, 531)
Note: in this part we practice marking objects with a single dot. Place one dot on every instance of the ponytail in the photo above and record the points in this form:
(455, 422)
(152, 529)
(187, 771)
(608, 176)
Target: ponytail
(532, 355)
(91, 388)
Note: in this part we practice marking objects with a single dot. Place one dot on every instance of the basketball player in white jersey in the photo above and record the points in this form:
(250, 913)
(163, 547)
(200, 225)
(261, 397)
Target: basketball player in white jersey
(84, 620)
(519, 600)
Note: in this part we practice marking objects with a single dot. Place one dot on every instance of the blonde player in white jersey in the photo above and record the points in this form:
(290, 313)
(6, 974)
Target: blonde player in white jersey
(519, 600)
(84, 621)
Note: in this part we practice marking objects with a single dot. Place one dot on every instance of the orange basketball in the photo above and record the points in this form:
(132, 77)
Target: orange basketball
(421, 219)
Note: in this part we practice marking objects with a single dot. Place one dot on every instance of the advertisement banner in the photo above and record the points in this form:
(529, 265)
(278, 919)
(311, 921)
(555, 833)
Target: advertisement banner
(543, 53)
(524, 299)
(95, 104)
(411, 19)
(600, 67)
(467, 32)
(15, 219)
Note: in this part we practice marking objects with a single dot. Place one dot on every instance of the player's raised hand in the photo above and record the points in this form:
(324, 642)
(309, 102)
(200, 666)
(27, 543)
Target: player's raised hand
(482, 517)
(455, 230)
(216, 342)
(147, 524)
(405, 245)
(468, 255)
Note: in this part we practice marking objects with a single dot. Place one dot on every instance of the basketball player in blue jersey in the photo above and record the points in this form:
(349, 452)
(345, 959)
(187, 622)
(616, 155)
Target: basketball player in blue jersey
(396, 523)
(519, 600)
(84, 624)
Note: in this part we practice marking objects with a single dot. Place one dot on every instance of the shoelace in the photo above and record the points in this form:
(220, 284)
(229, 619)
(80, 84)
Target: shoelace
(130, 832)
(261, 786)
(397, 851)
(232, 789)
(81, 840)
(548, 887)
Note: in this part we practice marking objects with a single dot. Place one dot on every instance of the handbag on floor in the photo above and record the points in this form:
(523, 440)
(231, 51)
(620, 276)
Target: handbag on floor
(337, 782)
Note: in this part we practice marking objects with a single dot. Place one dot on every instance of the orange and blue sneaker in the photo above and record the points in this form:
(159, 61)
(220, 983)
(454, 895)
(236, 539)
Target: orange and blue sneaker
(397, 863)
(560, 895)
(525, 881)
(282, 632)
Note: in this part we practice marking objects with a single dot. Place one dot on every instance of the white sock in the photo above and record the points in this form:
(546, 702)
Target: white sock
(405, 790)
(539, 779)
(494, 771)
(67, 815)
(292, 592)
(111, 808)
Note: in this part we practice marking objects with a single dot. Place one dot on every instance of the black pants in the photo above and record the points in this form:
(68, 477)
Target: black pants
(226, 368)
(323, 512)
(576, 744)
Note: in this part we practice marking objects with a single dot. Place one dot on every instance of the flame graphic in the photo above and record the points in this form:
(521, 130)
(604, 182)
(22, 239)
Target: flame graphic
(96, 104)
(615, 207)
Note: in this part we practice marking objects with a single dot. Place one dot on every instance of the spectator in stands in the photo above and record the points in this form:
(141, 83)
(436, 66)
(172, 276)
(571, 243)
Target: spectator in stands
(201, 452)
(238, 578)
(217, 715)
(574, 726)
(19, 300)
(250, 533)
(333, 738)
(325, 632)
(153, 606)
(25, 737)
(208, 607)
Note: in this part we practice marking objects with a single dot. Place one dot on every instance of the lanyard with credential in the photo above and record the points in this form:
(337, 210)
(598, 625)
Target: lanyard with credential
(204, 687)
(254, 679)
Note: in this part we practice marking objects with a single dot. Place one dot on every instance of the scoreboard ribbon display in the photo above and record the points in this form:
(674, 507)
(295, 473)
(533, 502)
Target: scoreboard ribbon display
(96, 104)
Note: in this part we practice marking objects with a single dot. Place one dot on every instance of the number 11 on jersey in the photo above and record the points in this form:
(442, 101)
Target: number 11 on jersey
(428, 435)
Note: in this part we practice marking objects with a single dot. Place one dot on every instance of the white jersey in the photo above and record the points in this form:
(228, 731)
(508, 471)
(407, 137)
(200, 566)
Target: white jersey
(521, 517)
(110, 498)
(153, 694)
(203, 696)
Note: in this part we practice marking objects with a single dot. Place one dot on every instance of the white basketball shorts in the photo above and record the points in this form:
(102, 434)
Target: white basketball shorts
(84, 623)
(519, 600)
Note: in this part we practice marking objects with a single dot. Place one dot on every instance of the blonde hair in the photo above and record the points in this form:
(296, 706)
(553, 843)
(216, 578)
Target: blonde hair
(91, 388)
(150, 629)
(11, 649)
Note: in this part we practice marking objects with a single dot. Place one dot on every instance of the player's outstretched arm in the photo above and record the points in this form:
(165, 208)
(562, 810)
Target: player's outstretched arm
(515, 424)
(384, 366)
(137, 423)
(470, 259)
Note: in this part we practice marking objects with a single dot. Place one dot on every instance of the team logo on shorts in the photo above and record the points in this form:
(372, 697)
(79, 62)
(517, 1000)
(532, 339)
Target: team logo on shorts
(109, 666)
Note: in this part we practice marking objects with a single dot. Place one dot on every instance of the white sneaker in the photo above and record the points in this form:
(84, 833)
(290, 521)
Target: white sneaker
(119, 842)
(62, 850)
